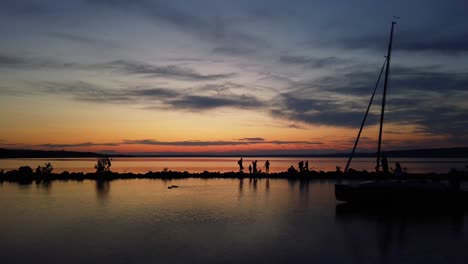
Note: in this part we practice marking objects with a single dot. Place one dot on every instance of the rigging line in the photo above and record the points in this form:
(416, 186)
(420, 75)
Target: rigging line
(365, 117)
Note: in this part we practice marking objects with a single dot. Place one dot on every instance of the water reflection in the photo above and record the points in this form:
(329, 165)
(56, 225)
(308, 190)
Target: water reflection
(278, 222)
(399, 230)
(292, 184)
(44, 184)
(102, 189)
(303, 186)
(241, 188)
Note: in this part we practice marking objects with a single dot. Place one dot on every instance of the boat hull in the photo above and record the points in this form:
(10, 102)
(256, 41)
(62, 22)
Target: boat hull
(401, 193)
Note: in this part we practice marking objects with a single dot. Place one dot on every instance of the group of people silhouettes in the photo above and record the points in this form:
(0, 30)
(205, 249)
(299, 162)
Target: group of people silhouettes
(398, 171)
(253, 167)
(303, 166)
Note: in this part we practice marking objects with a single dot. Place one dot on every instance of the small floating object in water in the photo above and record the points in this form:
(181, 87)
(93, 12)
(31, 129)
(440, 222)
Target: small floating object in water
(169, 187)
(175, 186)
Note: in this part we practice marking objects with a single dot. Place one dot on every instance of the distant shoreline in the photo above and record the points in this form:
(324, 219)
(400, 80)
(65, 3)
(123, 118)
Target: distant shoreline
(461, 152)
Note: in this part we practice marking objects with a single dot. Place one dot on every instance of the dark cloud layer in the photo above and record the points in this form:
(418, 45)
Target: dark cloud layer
(123, 66)
(158, 98)
(84, 144)
(205, 26)
(169, 71)
(192, 143)
(330, 112)
(426, 97)
(252, 139)
(210, 102)
(312, 62)
(449, 43)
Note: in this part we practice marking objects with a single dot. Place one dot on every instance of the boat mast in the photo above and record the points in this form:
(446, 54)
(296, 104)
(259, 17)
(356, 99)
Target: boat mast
(365, 117)
(387, 71)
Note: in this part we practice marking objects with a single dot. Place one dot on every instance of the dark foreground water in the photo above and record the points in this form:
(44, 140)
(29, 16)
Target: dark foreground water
(214, 221)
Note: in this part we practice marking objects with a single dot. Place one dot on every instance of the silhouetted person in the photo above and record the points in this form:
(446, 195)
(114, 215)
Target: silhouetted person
(254, 163)
(306, 167)
(338, 169)
(267, 166)
(250, 169)
(384, 164)
(398, 171)
(109, 164)
(241, 168)
(292, 169)
(301, 166)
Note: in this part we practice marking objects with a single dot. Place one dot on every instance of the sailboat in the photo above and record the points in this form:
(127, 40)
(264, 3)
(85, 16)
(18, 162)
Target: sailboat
(398, 192)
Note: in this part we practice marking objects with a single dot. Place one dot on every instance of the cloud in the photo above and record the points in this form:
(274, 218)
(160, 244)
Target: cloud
(213, 143)
(167, 71)
(84, 144)
(35, 63)
(123, 66)
(233, 50)
(200, 103)
(312, 62)
(444, 44)
(87, 92)
(152, 93)
(204, 25)
(252, 139)
(87, 40)
(412, 41)
(6, 61)
(188, 143)
(19, 62)
(149, 98)
(24, 8)
(329, 112)
(427, 98)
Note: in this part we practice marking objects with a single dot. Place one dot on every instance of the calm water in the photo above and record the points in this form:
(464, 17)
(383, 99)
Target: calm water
(213, 221)
(143, 165)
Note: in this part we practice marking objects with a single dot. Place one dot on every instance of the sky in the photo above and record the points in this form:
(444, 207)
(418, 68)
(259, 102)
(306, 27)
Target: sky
(240, 77)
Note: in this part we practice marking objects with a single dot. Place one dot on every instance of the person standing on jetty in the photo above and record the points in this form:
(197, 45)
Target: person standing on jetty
(301, 166)
(267, 166)
(306, 167)
(250, 169)
(398, 171)
(254, 164)
(384, 164)
(241, 168)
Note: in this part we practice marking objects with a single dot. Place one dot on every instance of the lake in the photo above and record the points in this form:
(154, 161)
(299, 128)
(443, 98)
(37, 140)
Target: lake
(213, 221)
(227, 164)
